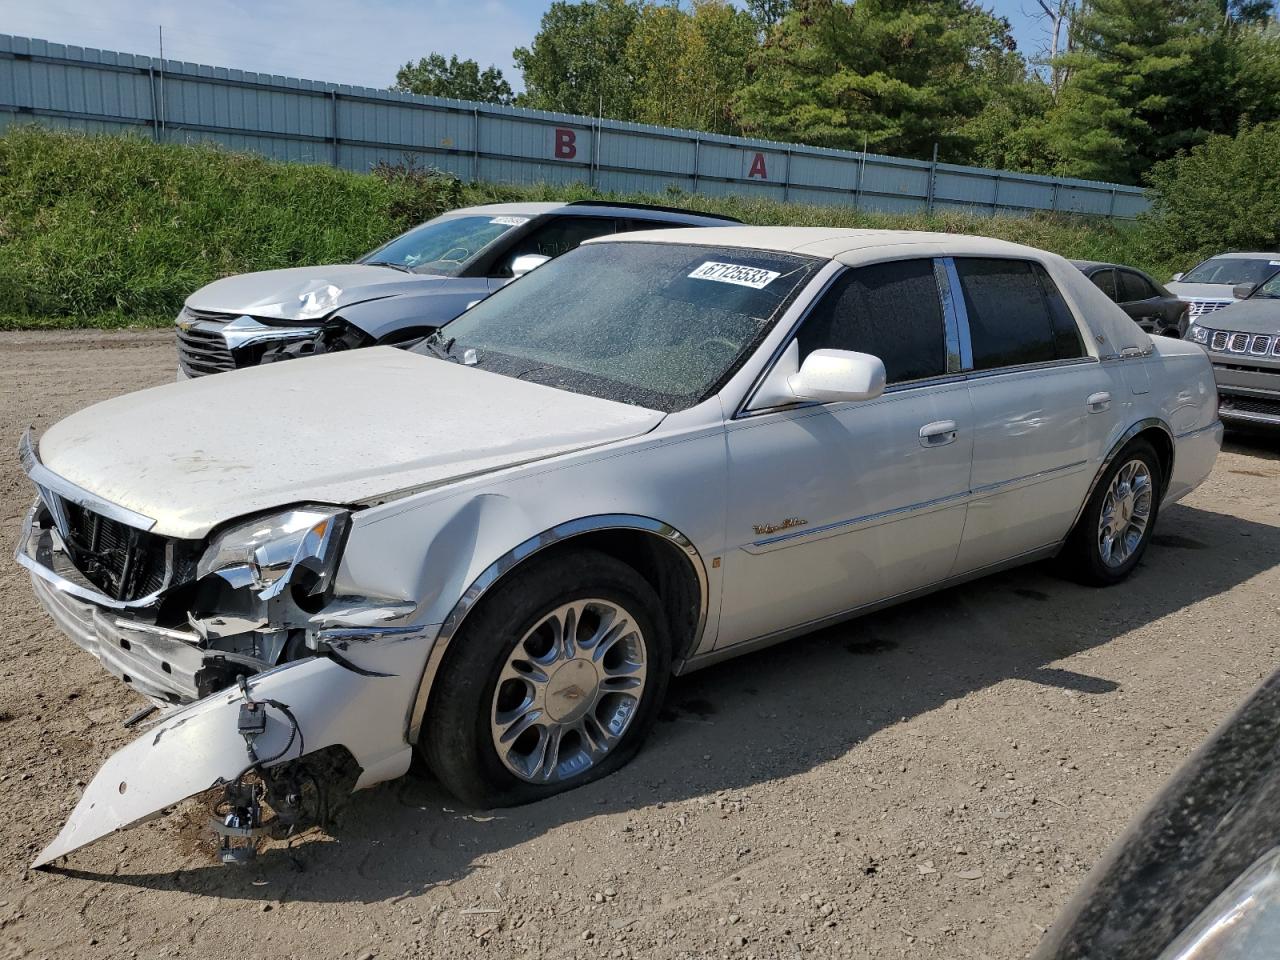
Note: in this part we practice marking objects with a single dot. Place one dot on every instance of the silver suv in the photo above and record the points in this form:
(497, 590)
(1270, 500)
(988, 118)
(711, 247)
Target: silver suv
(1243, 341)
(1208, 286)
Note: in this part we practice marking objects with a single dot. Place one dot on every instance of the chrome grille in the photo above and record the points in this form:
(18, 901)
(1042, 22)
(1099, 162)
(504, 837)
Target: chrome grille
(1254, 344)
(1260, 345)
(1238, 343)
(201, 347)
(122, 561)
(1219, 341)
(1200, 308)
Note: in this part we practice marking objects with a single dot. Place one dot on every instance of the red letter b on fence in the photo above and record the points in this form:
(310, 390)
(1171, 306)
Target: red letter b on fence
(565, 144)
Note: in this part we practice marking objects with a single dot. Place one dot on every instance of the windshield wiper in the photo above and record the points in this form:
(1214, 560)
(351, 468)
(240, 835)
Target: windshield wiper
(440, 350)
(387, 263)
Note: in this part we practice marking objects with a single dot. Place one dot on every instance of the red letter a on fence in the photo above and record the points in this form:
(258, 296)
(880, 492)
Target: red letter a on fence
(757, 168)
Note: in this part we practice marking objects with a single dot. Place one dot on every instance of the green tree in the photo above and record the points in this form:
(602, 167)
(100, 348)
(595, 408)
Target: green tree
(434, 76)
(897, 75)
(1146, 78)
(1222, 194)
(686, 67)
(577, 61)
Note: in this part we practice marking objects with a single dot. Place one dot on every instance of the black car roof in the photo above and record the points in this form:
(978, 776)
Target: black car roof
(652, 211)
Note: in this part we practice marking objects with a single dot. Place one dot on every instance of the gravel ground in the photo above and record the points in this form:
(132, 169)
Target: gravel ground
(932, 781)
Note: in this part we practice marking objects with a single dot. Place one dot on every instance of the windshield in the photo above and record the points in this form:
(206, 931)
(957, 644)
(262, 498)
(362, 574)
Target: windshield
(658, 325)
(1269, 290)
(443, 245)
(1231, 270)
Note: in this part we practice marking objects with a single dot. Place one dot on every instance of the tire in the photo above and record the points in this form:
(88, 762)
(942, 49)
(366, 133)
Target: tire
(1085, 557)
(490, 674)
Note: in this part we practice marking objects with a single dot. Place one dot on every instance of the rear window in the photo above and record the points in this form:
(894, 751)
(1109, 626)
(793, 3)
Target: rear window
(1016, 314)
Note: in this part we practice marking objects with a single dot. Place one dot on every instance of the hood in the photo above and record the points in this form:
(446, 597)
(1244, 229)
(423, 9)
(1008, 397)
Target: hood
(341, 428)
(1201, 291)
(1246, 316)
(306, 293)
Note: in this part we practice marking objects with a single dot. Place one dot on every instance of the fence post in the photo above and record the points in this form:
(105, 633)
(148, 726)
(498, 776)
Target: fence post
(1111, 208)
(786, 179)
(1053, 198)
(995, 198)
(862, 176)
(594, 169)
(155, 115)
(333, 121)
(697, 156)
(933, 180)
(475, 144)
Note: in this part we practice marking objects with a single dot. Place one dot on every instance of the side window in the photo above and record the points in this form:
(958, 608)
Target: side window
(1105, 280)
(1134, 287)
(1011, 321)
(890, 310)
(1067, 342)
(558, 236)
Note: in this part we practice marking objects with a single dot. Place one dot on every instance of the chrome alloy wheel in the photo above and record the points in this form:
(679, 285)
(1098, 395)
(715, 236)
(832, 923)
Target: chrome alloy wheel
(568, 691)
(1126, 511)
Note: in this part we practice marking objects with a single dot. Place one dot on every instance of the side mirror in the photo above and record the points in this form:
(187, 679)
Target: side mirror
(828, 376)
(1241, 291)
(526, 262)
(1175, 278)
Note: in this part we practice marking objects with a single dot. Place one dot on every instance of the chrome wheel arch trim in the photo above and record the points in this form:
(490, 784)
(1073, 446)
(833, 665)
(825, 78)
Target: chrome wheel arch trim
(522, 552)
(1146, 423)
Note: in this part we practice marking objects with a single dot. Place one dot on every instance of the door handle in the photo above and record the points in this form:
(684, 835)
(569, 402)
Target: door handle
(1098, 402)
(938, 434)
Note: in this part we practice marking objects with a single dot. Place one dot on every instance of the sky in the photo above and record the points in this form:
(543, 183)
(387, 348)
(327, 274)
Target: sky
(360, 43)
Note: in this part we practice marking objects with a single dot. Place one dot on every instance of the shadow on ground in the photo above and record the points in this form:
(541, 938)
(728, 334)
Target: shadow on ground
(774, 714)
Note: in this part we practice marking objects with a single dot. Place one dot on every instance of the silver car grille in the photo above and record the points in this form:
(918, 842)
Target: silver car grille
(1200, 308)
(1254, 344)
(201, 346)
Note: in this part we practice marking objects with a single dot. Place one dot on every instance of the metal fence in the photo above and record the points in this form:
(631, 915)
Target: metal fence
(354, 127)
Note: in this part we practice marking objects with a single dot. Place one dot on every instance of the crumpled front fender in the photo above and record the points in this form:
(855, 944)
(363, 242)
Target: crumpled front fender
(196, 747)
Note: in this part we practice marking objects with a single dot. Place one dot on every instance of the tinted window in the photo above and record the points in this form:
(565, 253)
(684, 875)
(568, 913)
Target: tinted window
(1105, 280)
(1066, 332)
(1134, 287)
(890, 310)
(557, 237)
(1016, 315)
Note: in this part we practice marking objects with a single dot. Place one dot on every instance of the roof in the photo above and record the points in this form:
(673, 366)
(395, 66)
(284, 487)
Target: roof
(1111, 327)
(1243, 255)
(832, 243)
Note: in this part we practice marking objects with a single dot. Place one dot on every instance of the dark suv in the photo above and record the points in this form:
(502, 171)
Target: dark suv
(403, 290)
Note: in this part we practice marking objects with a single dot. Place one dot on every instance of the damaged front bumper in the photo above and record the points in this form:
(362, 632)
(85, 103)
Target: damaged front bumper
(197, 747)
(199, 636)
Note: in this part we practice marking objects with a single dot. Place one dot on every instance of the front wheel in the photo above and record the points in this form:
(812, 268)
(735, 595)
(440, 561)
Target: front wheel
(553, 681)
(1115, 528)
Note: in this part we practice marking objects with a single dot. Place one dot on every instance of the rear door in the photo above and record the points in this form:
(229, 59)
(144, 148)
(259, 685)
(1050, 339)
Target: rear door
(1042, 409)
(833, 506)
(1139, 299)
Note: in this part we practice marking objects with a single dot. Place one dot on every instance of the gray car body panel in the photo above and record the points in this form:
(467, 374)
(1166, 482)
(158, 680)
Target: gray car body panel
(1248, 316)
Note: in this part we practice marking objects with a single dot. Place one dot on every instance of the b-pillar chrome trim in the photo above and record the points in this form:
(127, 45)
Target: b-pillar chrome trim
(1116, 447)
(508, 561)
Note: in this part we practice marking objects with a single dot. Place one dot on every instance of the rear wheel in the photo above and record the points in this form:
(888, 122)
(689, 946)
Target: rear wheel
(554, 681)
(1115, 528)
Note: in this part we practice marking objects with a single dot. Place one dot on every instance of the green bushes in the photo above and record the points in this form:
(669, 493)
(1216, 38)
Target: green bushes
(116, 231)
(1222, 195)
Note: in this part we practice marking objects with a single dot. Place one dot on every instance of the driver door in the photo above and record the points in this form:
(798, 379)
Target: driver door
(835, 506)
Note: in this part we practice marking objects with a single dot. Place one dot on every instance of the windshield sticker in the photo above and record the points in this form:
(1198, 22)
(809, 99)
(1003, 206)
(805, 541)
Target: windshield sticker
(735, 273)
(1275, 263)
(510, 221)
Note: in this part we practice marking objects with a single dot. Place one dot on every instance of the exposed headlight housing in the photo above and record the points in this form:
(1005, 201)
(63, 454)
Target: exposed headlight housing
(298, 547)
(1197, 333)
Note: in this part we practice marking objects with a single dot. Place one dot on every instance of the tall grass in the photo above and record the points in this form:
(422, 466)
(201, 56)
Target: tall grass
(102, 231)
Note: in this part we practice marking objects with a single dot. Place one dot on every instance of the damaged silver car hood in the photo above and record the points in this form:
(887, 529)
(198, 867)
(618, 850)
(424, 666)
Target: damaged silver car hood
(342, 428)
(305, 293)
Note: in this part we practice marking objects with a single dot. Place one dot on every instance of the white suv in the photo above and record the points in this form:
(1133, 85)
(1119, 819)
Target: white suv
(655, 452)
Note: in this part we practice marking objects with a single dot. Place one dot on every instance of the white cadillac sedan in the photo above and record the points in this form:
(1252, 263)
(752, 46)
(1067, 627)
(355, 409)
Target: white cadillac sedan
(655, 452)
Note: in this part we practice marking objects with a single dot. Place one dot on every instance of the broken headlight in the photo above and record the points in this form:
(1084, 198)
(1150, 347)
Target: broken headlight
(298, 548)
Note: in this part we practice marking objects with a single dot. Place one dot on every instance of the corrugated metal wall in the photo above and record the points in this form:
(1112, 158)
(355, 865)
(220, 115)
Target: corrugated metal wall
(354, 127)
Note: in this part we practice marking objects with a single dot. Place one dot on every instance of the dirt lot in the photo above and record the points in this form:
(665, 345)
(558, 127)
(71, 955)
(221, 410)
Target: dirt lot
(932, 781)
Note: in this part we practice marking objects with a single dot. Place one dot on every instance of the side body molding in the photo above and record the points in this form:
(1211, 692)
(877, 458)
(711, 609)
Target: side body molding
(517, 555)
